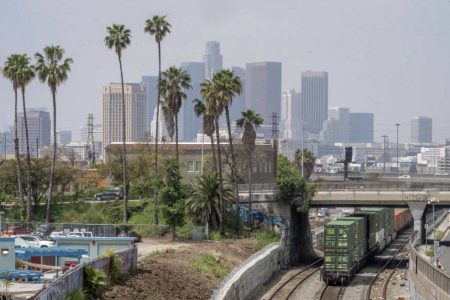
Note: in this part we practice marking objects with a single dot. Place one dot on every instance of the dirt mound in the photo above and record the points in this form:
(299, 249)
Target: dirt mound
(170, 274)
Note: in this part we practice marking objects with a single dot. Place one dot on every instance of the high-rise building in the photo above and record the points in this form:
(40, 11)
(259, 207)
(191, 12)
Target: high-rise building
(361, 127)
(163, 134)
(188, 123)
(238, 105)
(97, 133)
(314, 100)
(421, 130)
(151, 83)
(39, 130)
(263, 90)
(7, 141)
(135, 111)
(212, 59)
(63, 137)
(336, 129)
(290, 121)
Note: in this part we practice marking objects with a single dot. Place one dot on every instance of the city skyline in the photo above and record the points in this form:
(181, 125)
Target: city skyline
(375, 66)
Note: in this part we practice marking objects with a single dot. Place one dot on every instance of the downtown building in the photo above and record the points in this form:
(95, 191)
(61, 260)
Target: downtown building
(135, 109)
(336, 129)
(291, 109)
(39, 130)
(314, 101)
(421, 130)
(212, 59)
(263, 92)
(361, 127)
(151, 84)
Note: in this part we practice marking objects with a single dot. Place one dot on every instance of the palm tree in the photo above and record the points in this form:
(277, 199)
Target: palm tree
(10, 71)
(53, 69)
(214, 107)
(159, 28)
(119, 38)
(172, 85)
(208, 126)
(249, 121)
(168, 119)
(204, 204)
(229, 85)
(25, 76)
(308, 165)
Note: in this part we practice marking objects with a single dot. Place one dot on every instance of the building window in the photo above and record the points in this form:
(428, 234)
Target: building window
(190, 166)
(198, 166)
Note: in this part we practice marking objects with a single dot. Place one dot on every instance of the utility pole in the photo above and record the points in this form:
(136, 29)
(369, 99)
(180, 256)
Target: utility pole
(398, 163)
(37, 147)
(4, 169)
(90, 138)
(303, 148)
(384, 153)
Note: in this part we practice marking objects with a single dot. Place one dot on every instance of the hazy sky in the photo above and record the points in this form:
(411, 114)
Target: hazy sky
(387, 57)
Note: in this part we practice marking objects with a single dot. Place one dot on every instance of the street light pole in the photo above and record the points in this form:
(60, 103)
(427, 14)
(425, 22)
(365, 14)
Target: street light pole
(384, 153)
(433, 201)
(303, 148)
(398, 164)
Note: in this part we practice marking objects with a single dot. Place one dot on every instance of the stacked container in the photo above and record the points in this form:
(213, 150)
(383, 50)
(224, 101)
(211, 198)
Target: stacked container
(360, 236)
(339, 245)
(380, 216)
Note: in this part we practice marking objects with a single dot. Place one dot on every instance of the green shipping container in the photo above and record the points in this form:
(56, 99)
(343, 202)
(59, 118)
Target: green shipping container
(360, 236)
(339, 245)
(380, 215)
(338, 262)
(373, 226)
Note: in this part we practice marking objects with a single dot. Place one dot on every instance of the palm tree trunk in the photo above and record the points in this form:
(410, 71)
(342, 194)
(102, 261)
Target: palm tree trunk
(28, 158)
(176, 138)
(52, 169)
(16, 150)
(233, 170)
(219, 155)
(250, 171)
(124, 149)
(213, 149)
(155, 193)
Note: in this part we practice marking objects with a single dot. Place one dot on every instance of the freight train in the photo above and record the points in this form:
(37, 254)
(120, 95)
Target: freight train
(350, 241)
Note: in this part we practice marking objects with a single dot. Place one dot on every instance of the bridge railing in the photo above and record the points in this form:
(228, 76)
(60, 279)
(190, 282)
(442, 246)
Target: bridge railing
(426, 268)
(379, 186)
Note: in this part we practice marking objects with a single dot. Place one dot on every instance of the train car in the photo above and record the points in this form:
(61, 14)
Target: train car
(381, 231)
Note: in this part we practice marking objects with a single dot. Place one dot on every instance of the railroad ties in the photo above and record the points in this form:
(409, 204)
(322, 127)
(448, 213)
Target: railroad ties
(332, 292)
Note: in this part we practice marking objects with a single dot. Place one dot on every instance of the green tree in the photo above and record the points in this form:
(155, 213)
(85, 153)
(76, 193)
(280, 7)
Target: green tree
(228, 86)
(10, 71)
(118, 38)
(159, 28)
(249, 121)
(169, 119)
(172, 195)
(208, 126)
(51, 67)
(25, 76)
(204, 204)
(308, 166)
(172, 85)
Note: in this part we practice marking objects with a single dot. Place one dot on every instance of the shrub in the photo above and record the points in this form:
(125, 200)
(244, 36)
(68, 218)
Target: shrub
(265, 238)
(208, 264)
(94, 282)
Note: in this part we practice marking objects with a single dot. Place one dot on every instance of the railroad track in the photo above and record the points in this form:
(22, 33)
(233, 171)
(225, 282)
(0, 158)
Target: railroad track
(331, 292)
(289, 286)
(378, 286)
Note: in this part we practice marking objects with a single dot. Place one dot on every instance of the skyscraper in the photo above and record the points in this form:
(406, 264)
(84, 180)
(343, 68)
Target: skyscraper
(188, 123)
(135, 109)
(314, 100)
(263, 89)
(336, 129)
(290, 121)
(39, 130)
(238, 104)
(151, 84)
(212, 59)
(63, 137)
(361, 127)
(421, 130)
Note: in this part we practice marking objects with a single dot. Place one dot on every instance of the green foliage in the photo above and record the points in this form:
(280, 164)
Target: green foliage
(291, 186)
(439, 235)
(94, 282)
(210, 265)
(430, 252)
(265, 238)
(115, 267)
(77, 295)
(172, 196)
(308, 166)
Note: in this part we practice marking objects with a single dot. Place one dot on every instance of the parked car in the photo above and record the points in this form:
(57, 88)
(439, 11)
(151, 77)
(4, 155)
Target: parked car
(15, 230)
(80, 234)
(44, 229)
(404, 177)
(36, 241)
(137, 236)
(21, 243)
(114, 194)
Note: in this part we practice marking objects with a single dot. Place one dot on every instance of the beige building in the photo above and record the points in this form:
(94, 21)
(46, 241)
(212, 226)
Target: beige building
(135, 109)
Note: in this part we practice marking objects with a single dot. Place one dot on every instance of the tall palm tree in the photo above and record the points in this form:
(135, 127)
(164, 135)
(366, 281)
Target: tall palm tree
(51, 67)
(214, 107)
(249, 121)
(172, 85)
(169, 119)
(228, 86)
(208, 126)
(308, 165)
(25, 76)
(119, 38)
(159, 28)
(10, 71)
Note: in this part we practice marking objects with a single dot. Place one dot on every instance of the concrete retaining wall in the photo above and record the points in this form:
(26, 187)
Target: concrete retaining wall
(254, 272)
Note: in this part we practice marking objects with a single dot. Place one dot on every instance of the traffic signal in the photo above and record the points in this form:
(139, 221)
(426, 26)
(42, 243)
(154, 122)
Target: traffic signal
(348, 154)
